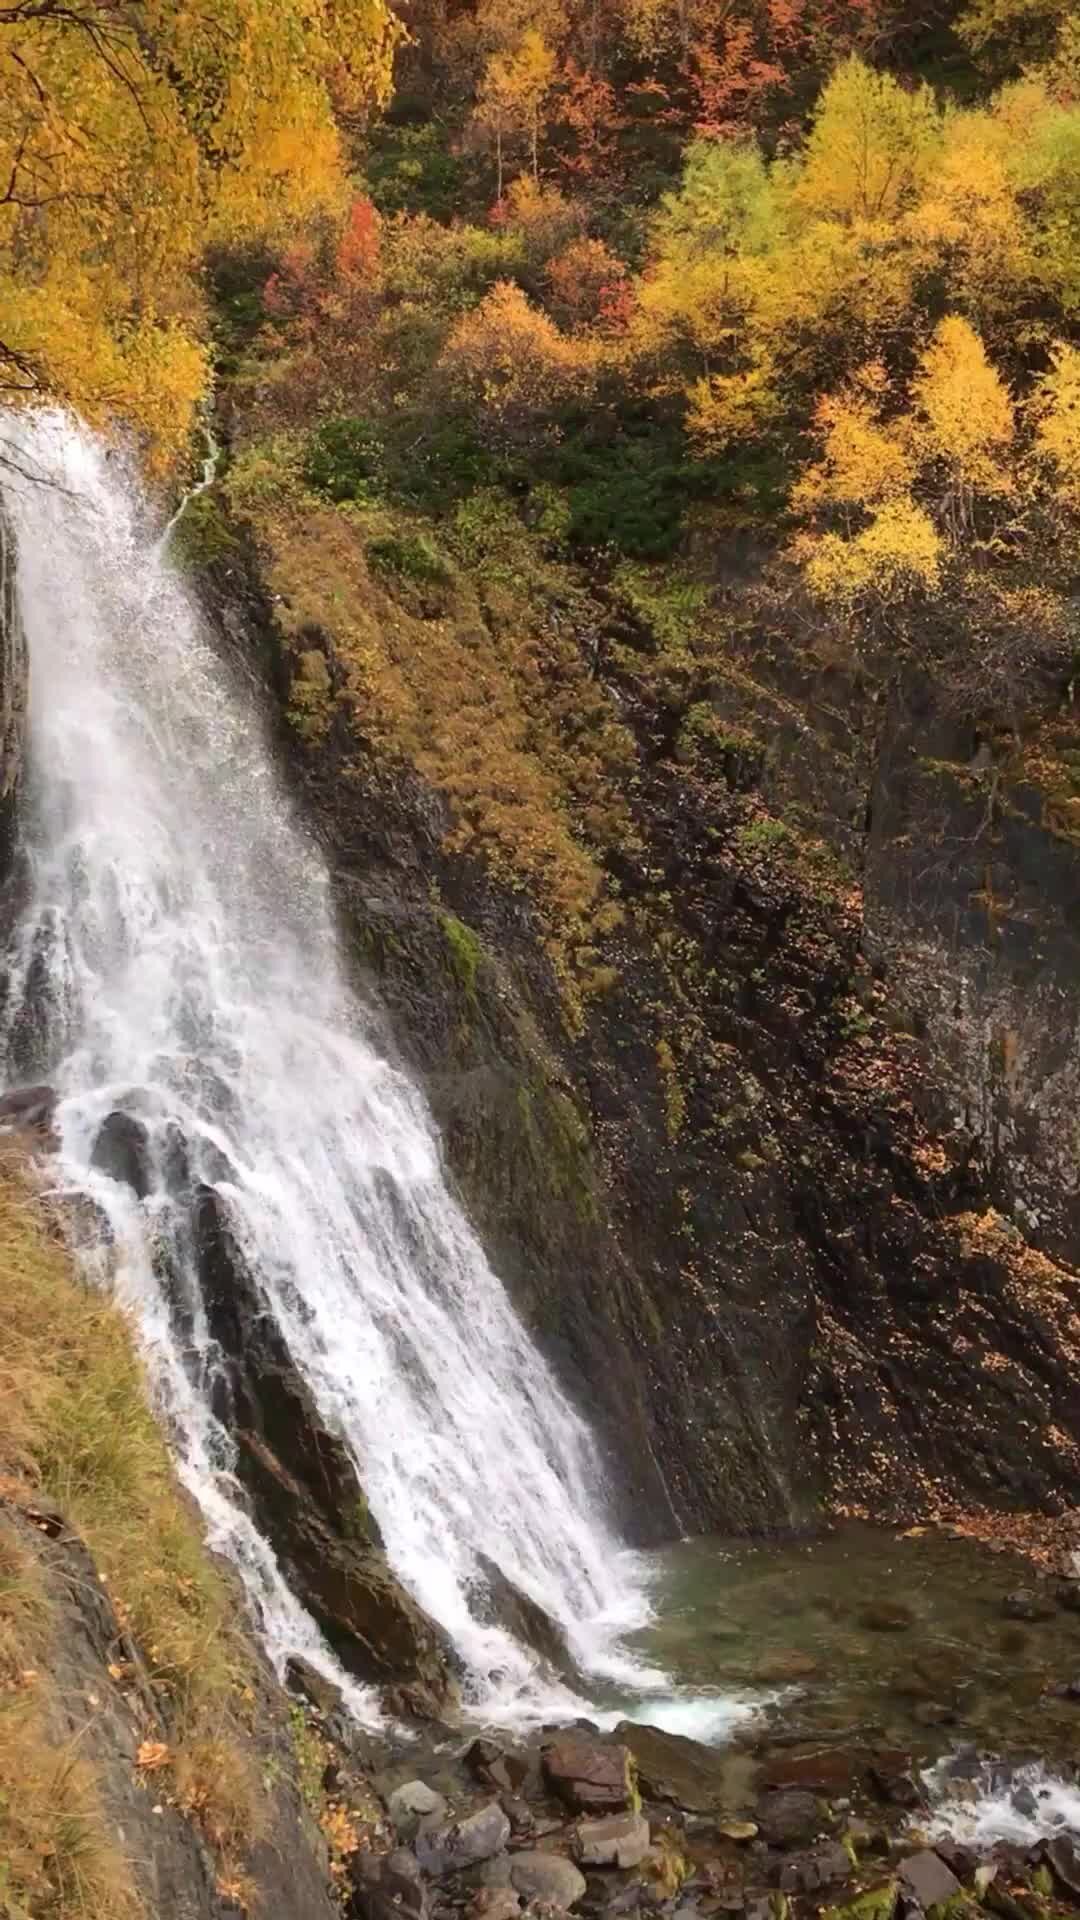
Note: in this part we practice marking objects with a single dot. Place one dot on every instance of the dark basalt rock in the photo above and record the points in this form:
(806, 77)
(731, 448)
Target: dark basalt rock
(305, 1679)
(304, 1490)
(816, 1088)
(261, 1390)
(500, 1601)
(14, 682)
(493, 1767)
(122, 1150)
(818, 1868)
(788, 1817)
(1027, 1603)
(891, 1776)
(678, 1771)
(927, 1881)
(1063, 1854)
(30, 1110)
(387, 1886)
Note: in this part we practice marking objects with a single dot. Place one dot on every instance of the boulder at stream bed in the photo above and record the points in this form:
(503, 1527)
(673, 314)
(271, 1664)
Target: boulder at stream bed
(462, 1843)
(684, 1773)
(588, 1777)
(622, 1840)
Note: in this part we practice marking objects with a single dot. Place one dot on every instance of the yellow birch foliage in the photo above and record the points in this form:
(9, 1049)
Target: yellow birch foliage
(130, 140)
(900, 550)
(1057, 414)
(871, 146)
(888, 545)
(863, 464)
(965, 415)
(968, 225)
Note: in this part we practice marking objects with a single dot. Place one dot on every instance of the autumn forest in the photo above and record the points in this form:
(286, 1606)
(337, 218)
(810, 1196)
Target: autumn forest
(803, 261)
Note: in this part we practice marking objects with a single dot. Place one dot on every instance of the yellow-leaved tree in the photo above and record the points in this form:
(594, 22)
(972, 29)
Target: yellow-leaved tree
(509, 365)
(871, 146)
(513, 91)
(132, 137)
(1057, 429)
(868, 536)
(897, 489)
(965, 422)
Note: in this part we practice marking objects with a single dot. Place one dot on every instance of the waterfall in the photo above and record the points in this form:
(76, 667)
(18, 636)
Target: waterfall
(177, 960)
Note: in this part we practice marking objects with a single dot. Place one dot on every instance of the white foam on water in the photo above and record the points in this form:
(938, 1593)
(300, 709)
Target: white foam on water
(178, 961)
(709, 1718)
(1021, 1805)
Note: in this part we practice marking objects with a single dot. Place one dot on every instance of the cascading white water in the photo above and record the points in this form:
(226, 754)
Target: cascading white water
(178, 960)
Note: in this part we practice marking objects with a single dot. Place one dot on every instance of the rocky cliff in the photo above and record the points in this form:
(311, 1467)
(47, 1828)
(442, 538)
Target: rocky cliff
(13, 695)
(786, 1191)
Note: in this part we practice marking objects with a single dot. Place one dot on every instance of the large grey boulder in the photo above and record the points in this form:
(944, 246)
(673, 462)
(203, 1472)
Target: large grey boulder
(448, 1847)
(412, 1803)
(547, 1877)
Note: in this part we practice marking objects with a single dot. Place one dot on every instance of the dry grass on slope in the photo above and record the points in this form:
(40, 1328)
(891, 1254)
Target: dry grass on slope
(57, 1854)
(77, 1435)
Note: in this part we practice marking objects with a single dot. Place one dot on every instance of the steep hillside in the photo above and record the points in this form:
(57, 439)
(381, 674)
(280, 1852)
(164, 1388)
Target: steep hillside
(147, 1757)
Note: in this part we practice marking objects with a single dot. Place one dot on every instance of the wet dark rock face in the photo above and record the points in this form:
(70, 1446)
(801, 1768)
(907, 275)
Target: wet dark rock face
(14, 682)
(767, 1240)
(305, 1492)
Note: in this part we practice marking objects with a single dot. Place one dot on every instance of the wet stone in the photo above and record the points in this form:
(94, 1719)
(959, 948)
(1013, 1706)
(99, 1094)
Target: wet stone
(788, 1817)
(494, 1903)
(519, 1813)
(547, 1877)
(29, 1108)
(681, 1772)
(387, 1887)
(443, 1849)
(926, 1879)
(887, 1616)
(830, 1770)
(892, 1778)
(408, 1805)
(588, 1778)
(122, 1150)
(320, 1692)
(817, 1868)
(1027, 1603)
(1063, 1854)
(622, 1840)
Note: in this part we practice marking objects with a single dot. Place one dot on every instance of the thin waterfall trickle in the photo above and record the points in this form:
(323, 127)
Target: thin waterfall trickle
(178, 961)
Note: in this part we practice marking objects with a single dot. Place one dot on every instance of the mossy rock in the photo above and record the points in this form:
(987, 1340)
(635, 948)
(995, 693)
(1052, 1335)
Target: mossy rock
(877, 1903)
(464, 953)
